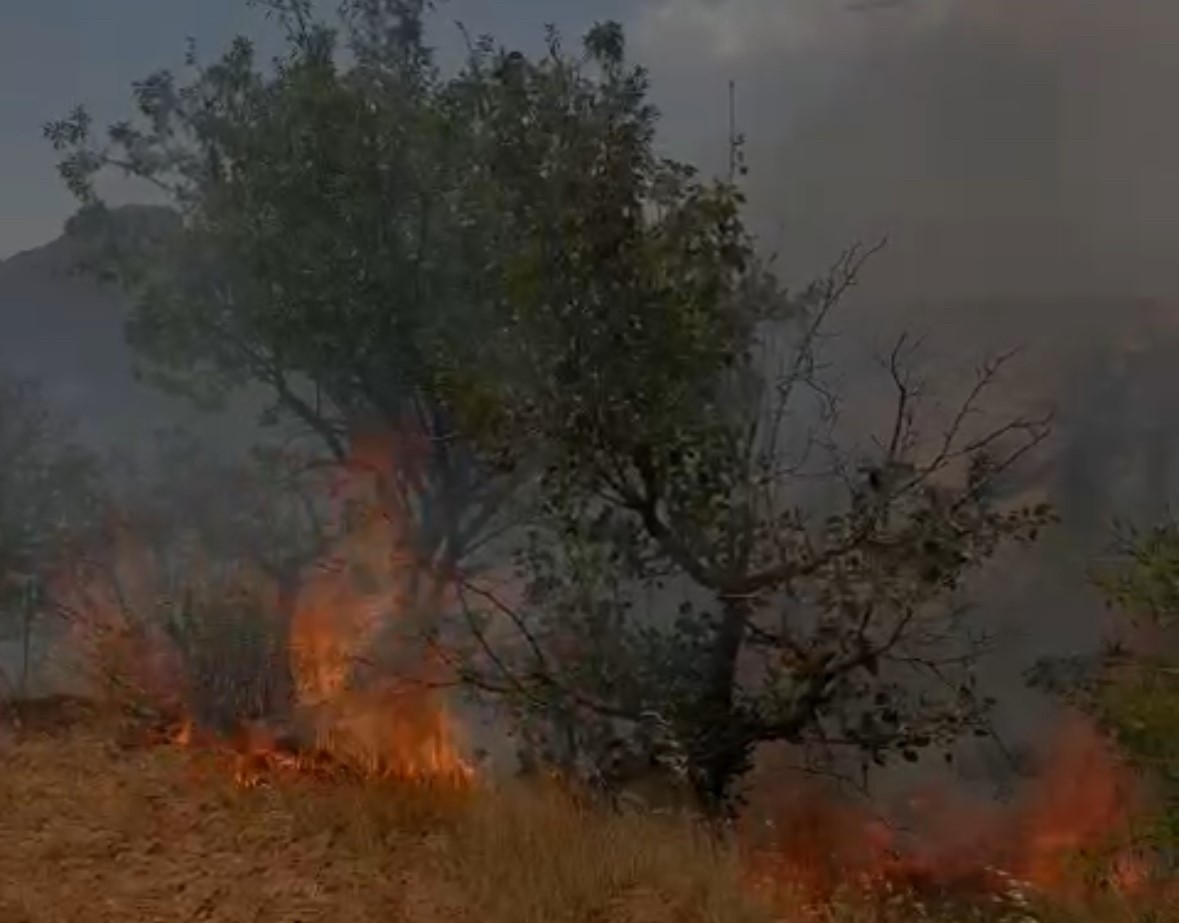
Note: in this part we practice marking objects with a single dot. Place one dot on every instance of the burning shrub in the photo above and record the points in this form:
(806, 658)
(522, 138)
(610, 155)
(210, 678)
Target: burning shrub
(234, 649)
(1131, 687)
(173, 640)
(229, 649)
(1066, 839)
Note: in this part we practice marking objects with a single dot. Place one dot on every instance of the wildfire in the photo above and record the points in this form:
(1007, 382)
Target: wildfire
(1066, 835)
(384, 718)
(348, 714)
(366, 703)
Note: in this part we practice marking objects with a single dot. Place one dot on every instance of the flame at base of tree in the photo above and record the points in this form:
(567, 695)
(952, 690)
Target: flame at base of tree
(353, 704)
(368, 693)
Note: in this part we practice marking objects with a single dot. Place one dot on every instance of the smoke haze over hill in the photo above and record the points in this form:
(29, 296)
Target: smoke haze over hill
(1008, 148)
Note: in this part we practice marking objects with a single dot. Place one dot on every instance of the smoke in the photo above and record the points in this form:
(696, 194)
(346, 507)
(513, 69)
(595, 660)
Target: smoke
(1021, 157)
(1010, 148)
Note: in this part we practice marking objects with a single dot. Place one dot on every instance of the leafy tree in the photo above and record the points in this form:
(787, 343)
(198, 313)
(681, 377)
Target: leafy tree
(323, 242)
(498, 266)
(676, 457)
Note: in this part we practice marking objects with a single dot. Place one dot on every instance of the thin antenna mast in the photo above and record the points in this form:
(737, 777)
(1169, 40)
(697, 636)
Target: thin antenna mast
(733, 140)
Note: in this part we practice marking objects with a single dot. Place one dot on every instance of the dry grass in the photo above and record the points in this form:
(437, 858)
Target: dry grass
(92, 831)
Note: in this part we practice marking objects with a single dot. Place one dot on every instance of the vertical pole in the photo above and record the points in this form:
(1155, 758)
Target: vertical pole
(732, 130)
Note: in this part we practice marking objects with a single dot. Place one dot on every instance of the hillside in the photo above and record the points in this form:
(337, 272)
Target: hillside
(97, 830)
(101, 822)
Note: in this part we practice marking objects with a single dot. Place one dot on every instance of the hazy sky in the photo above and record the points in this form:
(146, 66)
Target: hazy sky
(55, 53)
(1023, 146)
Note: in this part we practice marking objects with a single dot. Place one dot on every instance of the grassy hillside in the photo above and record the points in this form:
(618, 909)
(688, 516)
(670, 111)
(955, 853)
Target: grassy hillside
(96, 825)
(92, 831)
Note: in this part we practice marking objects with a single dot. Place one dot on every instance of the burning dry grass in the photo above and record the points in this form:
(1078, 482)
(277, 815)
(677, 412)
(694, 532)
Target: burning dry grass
(93, 831)
(97, 831)
(1068, 834)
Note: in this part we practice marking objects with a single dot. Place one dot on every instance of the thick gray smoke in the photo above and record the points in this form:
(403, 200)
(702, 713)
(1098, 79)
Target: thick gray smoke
(1009, 147)
(1023, 160)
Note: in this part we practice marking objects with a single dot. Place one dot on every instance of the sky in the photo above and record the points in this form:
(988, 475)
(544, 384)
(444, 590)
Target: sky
(1005, 146)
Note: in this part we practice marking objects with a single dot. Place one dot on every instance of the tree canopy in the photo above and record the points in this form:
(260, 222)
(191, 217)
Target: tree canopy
(498, 268)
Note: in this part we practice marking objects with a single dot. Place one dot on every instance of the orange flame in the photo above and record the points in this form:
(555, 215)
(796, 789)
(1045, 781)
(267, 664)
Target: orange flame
(1084, 802)
(356, 714)
(1072, 821)
(393, 724)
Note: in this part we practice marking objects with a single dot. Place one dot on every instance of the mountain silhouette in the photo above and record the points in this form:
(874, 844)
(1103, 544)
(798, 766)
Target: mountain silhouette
(64, 327)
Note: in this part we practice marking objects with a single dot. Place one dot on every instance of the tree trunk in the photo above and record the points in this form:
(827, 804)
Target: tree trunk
(721, 749)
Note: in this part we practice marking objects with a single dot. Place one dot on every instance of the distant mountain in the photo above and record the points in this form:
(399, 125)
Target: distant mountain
(66, 330)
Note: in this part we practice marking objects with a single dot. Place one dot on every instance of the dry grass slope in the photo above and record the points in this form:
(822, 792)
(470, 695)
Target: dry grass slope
(91, 831)
(97, 831)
